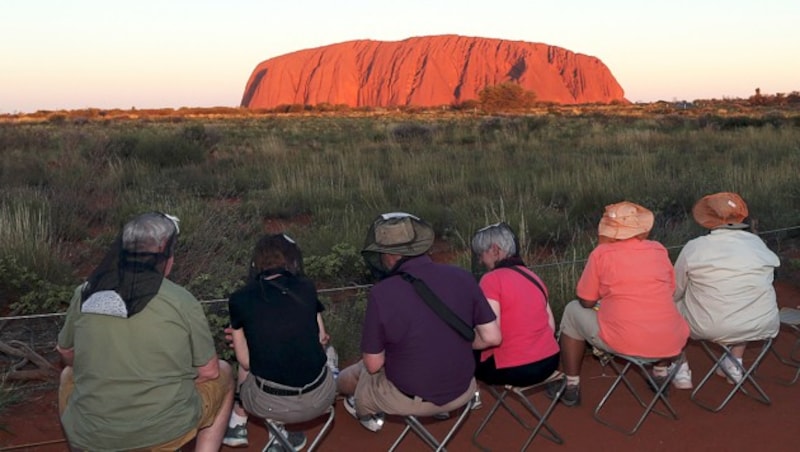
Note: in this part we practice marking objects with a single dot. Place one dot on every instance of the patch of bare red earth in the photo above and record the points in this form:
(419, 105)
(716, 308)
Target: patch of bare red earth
(743, 424)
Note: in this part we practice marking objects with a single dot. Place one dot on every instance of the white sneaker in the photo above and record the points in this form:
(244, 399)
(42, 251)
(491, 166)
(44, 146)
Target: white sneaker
(682, 379)
(731, 371)
(372, 423)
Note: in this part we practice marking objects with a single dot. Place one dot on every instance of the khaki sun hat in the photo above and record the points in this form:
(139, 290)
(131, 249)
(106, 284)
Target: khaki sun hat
(624, 220)
(724, 209)
(396, 233)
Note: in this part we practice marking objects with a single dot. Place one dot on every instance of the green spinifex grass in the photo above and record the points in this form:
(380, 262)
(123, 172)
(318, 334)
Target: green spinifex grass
(323, 179)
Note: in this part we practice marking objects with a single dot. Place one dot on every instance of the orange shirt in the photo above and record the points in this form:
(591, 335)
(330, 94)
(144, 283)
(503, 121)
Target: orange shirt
(634, 281)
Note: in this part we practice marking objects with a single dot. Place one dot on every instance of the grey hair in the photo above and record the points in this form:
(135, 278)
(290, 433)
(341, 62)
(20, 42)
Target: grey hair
(149, 233)
(497, 234)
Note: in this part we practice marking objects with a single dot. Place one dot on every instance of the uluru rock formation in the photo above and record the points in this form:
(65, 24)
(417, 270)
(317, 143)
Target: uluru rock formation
(427, 71)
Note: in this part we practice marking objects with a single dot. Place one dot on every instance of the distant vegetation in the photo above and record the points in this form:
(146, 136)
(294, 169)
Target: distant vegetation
(68, 180)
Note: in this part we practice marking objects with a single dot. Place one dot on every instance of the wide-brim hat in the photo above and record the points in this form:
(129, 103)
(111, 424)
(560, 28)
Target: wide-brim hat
(624, 220)
(724, 209)
(397, 233)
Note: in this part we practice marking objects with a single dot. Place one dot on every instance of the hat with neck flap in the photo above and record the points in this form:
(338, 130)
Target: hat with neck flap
(397, 233)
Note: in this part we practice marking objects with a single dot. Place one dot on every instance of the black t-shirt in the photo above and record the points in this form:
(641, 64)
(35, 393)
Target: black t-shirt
(281, 329)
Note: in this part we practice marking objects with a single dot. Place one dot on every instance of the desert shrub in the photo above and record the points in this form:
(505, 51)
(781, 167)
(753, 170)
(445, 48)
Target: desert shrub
(411, 133)
(507, 96)
(9, 395)
(22, 169)
(168, 151)
(344, 317)
(343, 265)
(27, 239)
(27, 292)
(467, 105)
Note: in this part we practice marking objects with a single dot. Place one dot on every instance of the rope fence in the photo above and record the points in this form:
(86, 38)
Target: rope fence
(367, 286)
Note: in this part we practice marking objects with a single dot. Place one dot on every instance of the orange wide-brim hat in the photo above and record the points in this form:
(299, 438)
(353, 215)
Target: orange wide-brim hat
(624, 220)
(723, 209)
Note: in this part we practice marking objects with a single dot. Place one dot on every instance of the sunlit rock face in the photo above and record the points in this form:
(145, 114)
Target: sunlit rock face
(427, 71)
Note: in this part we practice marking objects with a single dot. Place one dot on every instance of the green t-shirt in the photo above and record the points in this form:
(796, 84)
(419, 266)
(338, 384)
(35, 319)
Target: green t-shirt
(134, 378)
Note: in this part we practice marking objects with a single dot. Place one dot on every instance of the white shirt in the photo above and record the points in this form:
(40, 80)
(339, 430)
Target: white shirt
(724, 287)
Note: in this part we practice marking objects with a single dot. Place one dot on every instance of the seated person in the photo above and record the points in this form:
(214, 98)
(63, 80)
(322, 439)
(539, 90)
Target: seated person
(414, 362)
(723, 282)
(624, 300)
(141, 367)
(277, 330)
(529, 351)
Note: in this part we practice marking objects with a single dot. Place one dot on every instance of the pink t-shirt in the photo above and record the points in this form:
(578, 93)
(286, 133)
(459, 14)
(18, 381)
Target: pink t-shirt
(634, 281)
(527, 336)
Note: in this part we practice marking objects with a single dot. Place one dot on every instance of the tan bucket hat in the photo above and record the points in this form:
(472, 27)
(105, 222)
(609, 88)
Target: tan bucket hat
(724, 209)
(396, 233)
(624, 220)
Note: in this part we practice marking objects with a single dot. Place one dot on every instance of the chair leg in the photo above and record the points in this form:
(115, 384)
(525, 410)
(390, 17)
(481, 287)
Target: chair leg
(793, 358)
(659, 393)
(552, 435)
(277, 435)
(747, 376)
(413, 424)
(324, 431)
(500, 398)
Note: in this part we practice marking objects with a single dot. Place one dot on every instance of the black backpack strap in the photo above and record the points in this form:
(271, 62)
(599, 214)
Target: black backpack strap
(531, 279)
(441, 309)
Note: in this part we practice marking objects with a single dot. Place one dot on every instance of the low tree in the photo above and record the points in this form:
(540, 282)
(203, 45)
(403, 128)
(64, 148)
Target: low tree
(506, 96)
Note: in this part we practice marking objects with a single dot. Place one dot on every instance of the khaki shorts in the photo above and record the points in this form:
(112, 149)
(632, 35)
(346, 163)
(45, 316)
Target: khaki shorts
(376, 394)
(289, 409)
(212, 397)
(578, 322)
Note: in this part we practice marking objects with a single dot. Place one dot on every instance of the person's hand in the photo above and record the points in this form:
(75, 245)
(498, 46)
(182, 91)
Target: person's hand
(229, 336)
(324, 338)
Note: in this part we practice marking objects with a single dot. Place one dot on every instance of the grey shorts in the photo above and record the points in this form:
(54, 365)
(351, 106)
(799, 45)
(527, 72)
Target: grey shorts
(287, 409)
(578, 322)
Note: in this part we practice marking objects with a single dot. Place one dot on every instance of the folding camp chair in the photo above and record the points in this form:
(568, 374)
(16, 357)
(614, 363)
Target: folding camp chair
(659, 389)
(747, 375)
(276, 436)
(522, 393)
(790, 318)
(413, 424)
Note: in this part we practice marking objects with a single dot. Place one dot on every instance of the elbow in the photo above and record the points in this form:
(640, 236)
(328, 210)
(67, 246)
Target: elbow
(494, 340)
(211, 374)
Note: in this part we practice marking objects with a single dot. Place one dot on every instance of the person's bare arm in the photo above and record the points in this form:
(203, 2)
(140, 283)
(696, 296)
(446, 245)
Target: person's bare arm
(240, 348)
(487, 335)
(324, 337)
(587, 303)
(67, 355)
(373, 361)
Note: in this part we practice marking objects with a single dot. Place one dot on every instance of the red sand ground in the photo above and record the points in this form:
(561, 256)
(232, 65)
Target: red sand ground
(743, 425)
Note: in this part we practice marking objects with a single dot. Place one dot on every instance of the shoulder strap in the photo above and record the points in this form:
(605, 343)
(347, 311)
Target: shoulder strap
(531, 279)
(441, 309)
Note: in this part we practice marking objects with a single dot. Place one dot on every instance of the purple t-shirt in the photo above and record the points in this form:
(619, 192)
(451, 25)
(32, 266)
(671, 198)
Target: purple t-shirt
(425, 357)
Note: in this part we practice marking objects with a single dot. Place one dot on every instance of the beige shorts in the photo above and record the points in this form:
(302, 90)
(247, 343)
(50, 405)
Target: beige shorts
(376, 394)
(212, 397)
(578, 322)
(287, 409)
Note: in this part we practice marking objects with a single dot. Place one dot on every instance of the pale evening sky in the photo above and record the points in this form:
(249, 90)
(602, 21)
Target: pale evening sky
(60, 54)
